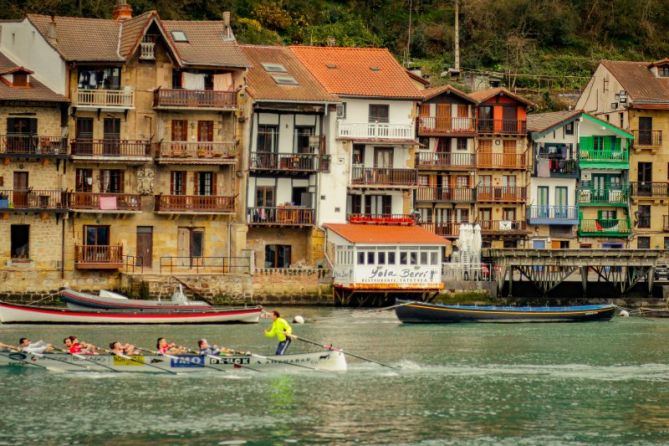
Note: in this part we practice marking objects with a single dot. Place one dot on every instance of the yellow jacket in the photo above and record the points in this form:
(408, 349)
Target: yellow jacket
(280, 328)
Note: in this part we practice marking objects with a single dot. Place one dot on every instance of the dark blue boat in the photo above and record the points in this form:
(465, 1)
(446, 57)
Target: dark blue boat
(428, 313)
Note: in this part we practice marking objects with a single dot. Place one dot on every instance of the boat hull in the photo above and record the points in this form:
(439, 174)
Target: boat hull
(420, 312)
(78, 300)
(334, 361)
(24, 314)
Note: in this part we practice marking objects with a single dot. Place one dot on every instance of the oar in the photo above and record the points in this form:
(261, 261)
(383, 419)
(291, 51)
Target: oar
(329, 347)
(23, 361)
(130, 358)
(84, 358)
(43, 356)
(177, 358)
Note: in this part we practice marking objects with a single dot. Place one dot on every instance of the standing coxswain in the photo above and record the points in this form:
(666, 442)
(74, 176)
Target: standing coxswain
(283, 332)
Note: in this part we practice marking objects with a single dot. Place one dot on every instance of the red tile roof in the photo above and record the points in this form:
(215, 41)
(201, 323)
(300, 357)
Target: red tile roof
(358, 72)
(538, 122)
(484, 95)
(438, 91)
(638, 81)
(386, 234)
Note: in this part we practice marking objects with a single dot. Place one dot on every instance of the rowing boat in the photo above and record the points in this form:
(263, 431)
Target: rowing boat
(423, 312)
(77, 300)
(15, 313)
(328, 360)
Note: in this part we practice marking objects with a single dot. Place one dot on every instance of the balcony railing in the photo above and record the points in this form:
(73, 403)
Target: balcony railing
(106, 98)
(98, 256)
(489, 160)
(503, 226)
(289, 162)
(281, 216)
(32, 145)
(205, 152)
(502, 126)
(653, 190)
(592, 196)
(556, 168)
(195, 203)
(204, 265)
(381, 219)
(113, 148)
(552, 215)
(604, 228)
(448, 194)
(166, 98)
(105, 202)
(647, 138)
(375, 130)
(603, 156)
(446, 125)
(445, 160)
(147, 51)
(501, 194)
(372, 176)
(33, 200)
(444, 229)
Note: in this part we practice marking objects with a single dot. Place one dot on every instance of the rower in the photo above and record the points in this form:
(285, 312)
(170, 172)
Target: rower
(119, 349)
(283, 332)
(72, 345)
(39, 347)
(165, 348)
(206, 349)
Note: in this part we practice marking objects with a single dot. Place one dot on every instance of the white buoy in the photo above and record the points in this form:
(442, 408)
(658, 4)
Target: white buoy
(624, 313)
(298, 319)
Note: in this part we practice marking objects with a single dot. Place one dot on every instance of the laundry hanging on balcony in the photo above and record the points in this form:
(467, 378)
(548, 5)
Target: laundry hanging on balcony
(192, 81)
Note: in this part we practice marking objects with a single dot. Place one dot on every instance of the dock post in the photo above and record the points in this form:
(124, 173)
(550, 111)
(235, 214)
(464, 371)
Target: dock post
(584, 279)
(651, 279)
(511, 281)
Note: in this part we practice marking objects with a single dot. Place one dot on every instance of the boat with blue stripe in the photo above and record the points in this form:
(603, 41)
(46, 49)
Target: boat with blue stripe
(429, 313)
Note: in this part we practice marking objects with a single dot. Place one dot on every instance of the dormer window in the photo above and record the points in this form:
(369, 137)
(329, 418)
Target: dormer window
(663, 71)
(20, 79)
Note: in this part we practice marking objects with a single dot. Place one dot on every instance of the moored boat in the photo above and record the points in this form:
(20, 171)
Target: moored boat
(15, 313)
(328, 360)
(106, 300)
(422, 312)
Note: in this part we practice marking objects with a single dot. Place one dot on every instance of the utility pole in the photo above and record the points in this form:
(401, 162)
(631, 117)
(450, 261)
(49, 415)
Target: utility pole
(407, 51)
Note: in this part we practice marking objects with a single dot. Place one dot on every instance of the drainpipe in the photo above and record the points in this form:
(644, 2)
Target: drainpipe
(62, 249)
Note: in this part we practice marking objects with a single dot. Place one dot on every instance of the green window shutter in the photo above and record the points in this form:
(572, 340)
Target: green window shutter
(599, 214)
(616, 143)
(586, 142)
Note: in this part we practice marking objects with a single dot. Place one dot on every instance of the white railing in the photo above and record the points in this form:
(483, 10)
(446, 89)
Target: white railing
(106, 98)
(375, 130)
(147, 51)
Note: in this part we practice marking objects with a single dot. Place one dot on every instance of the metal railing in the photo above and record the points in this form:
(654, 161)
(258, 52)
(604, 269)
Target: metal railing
(381, 219)
(290, 162)
(204, 265)
(446, 124)
(203, 150)
(604, 227)
(502, 126)
(611, 196)
(556, 168)
(444, 229)
(445, 160)
(132, 264)
(22, 144)
(604, 155)
(489, 160)
(482, 272)
(106, 98)
(503, 226)
(281, 215)
(195, 99)
(658, 189)
(501, 194)
(110, 148)
(375, 130)
(383, 176)
(647, 138)
(554, 214)
(33, 199)
(105, 201)
(101, 255)
(195, 203)
(454, 194)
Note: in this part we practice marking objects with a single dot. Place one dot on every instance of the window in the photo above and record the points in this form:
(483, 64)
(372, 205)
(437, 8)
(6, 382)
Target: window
(643, 243)
(564, 244)
(111, 181)
(391, 258)
(361, 258)
(177, 183)
(341, 110)
(265, 196)
(20, 242)
(510, 244)
(370, 257)
(434, 258)
(93, 78)
(303, 139)
(404, 257)
(277, 256)
(423, 180)
(96, 235)
(268, 138)
(663, 71)
(666, 243)
(83, 180)
(273, 67)
(284, 79)
(205, 183)
(20, 79)
(381, 258)
(509, 214)
(621, 116)
(378, 113)
(179, 36)
(423, 258)
(179, 130)
(644, 216)
(461, 143)
(358, 154)
(413, 258)
(569, 128)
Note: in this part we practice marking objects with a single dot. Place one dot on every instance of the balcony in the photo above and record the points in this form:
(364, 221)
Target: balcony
(376, 131)
(650, 190)
(280, 216)
(445, 161)
(105, 99)
(503, 161)
(147, 51)
(502, 127)
(647, 140)
(105, 202)
(115, 150)
(383, 177)
(503, 194)
(446, 126)
(444, 229)
(604, 159)
(197, 152)
(194, 204)
(288, 163)
(98, 256)
(194, 99)
(381, 219)
(503, 227)
(32, 146)
(556, 168)
(446, 194)
(604, 228)
(587, 195)
(33, 200)
(552, 215)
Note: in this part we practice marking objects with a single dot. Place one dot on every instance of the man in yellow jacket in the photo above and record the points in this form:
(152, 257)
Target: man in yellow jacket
(282, 330)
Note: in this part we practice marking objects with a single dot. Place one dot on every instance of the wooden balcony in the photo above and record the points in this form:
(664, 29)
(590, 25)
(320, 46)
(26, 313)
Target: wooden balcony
(280, 216)
(194, 99)
(444, 229)
(445, 161)
(383, 177)
(604, 228)
(110, 150)
(502, 127)
(98, 256)
(105, 202)
(552, 215)
(33, 200)
(194, 204)
(647, 140)
(446, 194)
(288, 163)
(588, 195)
(501, 194)
(376, 131)
(502, 161)
(503, 227)
(105, 99)
(381, 219)
(197, 152)
(657, 190)
(32, 146)
(446, 126)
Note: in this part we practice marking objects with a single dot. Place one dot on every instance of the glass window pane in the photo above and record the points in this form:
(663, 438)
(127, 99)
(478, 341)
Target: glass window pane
(361, 258)
(391, 258)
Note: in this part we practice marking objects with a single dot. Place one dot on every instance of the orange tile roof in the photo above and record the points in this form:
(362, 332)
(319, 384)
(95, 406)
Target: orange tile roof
(358, 72)
(386, 234)
(484, 95)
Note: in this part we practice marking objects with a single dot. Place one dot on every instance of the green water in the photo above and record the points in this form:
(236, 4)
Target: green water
(528, 384)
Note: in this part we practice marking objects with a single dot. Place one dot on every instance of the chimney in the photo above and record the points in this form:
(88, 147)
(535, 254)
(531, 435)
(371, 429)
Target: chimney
(122, 11)
(51, 33)
(227, 31)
